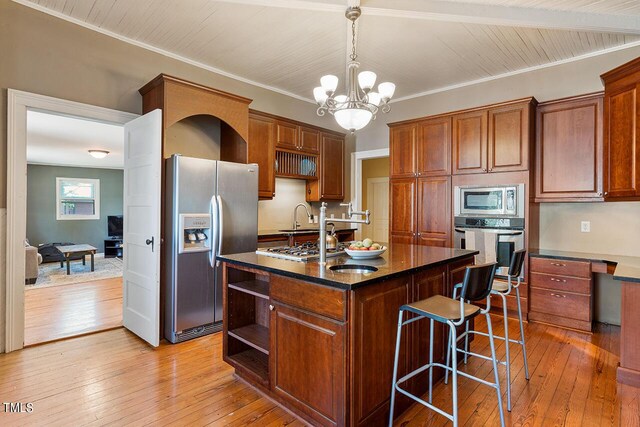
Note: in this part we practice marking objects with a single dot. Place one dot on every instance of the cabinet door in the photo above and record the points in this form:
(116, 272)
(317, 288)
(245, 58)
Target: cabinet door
(261, 150)
(309, 140)
(621, 162)
(286, 135)
(308, 364)
(434, 211)
(427, 284)
(402, 142)
(402, 210)
(470, 142)
(569, 132)
(508, 143)
(331, 168)
(373, 339)
(433, 147)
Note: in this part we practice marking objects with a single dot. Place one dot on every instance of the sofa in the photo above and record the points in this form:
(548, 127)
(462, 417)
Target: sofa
(32, 261)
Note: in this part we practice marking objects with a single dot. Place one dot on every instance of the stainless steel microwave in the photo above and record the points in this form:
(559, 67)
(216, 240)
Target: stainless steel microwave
(498, 201)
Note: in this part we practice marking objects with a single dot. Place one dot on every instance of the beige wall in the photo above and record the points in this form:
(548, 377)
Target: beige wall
(373, 168)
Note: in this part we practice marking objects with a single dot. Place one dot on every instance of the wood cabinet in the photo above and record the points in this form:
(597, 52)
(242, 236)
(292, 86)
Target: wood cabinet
(561, 293)
(293, 136)
(308, 368)
(433, 147)
(470, 142)
(494, 139)
(622, 132)
(420, 210)
(262, 136)
(402, 143)
(433, 216)
(569, 149)
(330, 182)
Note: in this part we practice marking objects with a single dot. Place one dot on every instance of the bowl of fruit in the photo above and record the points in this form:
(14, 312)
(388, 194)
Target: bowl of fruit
(365, 249)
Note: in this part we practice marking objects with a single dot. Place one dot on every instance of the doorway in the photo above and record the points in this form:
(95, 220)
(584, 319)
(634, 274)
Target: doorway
(366, 165)
(19, 105)
(75, 171)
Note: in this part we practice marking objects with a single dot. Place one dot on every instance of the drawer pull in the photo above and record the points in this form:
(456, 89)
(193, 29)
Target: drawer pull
(271, 307)
(553, 279)
(557, 264)
(558, 295)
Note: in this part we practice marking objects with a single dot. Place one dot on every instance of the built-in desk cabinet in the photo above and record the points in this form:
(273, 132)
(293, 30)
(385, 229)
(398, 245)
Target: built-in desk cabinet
(569, 149)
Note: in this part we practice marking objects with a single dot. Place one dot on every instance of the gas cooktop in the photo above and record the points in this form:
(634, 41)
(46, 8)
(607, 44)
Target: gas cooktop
(307, 251)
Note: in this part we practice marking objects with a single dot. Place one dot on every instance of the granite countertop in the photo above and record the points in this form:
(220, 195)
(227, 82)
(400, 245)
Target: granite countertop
(627, 268)
(301, 230)
(398, 260)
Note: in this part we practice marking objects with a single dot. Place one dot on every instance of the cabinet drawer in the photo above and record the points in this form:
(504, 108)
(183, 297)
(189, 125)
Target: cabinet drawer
(560, 283)
(561, 266)
(318, 299)
(562, 304)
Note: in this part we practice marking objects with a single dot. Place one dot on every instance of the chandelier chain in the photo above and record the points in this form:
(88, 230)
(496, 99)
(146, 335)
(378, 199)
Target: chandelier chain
(353, 41)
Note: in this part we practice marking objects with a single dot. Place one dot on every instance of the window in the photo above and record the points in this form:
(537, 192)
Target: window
(77, 198)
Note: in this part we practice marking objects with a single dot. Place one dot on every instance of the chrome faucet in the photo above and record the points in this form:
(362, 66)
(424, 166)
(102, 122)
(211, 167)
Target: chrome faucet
(324, 220)
(295, 211)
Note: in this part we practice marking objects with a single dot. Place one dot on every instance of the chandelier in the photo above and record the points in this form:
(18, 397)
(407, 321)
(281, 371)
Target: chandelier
(359, 106)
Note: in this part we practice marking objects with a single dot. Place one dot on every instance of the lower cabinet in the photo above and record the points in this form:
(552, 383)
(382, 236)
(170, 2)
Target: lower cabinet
(308, 368)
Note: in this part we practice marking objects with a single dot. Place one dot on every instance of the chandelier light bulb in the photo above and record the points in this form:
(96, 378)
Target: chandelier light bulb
(374, 98)
(386, 90)
(320, 95)
(353, 119)
(329, 83)
(366, 80)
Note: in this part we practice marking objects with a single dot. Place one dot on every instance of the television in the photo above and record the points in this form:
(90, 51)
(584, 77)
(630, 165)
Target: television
(114, 226)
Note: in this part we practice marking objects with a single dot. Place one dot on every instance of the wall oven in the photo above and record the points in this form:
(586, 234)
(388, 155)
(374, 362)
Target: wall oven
(497, 201)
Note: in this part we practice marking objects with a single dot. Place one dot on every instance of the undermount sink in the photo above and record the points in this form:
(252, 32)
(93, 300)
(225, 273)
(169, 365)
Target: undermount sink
(291, 230)
(353, 268)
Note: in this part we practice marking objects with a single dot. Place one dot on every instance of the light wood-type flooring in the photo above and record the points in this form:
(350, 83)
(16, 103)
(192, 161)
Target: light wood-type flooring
(113, 378)
(69, 310)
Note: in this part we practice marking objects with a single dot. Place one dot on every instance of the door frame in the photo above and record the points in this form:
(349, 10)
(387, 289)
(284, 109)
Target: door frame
(18, 103)
(356, 176)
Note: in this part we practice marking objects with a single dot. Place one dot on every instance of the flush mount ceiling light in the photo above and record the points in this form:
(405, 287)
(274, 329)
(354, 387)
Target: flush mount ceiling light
(99, 154)
(359, 106)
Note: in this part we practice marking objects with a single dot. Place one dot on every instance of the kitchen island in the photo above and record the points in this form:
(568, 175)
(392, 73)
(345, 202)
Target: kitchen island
(321, 342)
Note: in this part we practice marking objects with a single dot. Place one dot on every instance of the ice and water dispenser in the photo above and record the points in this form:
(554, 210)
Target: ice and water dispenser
(195, 233)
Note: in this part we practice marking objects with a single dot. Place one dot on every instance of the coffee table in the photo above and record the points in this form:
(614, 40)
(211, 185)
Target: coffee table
(70, 250)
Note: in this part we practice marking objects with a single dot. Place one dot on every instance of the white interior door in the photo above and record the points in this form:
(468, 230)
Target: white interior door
(378, 203)
(141, 275)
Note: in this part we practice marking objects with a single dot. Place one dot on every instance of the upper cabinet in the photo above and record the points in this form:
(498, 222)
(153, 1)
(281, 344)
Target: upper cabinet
(330, 182)
(569, 149)
(288, 149)
(262, 137)
(493, 139)
(622, 132)
(293, 136)
(402, 146)
(470, 142)
(433, 147)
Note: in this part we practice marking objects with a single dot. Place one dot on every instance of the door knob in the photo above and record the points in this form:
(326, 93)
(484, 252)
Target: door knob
(272, 307)
(150, 242)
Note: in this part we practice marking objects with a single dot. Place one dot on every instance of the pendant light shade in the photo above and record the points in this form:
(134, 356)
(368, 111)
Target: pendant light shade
(353, 119)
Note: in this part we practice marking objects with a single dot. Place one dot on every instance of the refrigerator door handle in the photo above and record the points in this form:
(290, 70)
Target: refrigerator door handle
(214, 230)
(220, 225)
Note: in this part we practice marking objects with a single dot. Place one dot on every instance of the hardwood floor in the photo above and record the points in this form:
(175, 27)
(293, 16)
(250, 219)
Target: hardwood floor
(65, 311)
(114, 378)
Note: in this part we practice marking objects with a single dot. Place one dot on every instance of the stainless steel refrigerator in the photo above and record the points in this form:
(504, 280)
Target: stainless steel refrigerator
(211, 208)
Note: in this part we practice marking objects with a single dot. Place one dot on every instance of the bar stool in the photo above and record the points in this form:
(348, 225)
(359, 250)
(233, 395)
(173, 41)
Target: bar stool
(476, 286)
(501, 289)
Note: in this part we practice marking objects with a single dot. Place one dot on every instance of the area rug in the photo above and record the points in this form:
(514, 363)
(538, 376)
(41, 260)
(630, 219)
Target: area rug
(51, 274)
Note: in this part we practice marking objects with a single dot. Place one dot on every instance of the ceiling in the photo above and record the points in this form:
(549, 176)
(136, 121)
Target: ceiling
(423, 46)
(65, 141)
